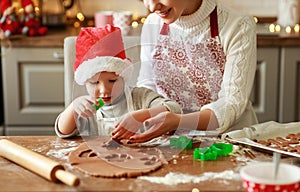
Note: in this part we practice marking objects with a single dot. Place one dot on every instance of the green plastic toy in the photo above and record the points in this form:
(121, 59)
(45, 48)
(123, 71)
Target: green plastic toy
(212, 152)
(101, 103)
(181, 142)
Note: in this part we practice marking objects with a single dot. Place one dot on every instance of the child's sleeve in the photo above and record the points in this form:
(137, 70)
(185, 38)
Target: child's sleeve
(144, 98)
(171, 105)
(59, 134)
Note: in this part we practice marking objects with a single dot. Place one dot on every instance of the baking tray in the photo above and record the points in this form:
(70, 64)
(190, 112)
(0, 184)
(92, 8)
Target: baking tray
(248, 142)
(265, 131)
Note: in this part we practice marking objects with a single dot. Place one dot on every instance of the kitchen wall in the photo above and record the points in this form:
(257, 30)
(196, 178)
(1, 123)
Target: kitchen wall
(264, 8)
(91, 6)
(260, 8)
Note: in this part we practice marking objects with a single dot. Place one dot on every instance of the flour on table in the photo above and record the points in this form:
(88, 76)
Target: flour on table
(61, 149)
(40, 149)
(176, 178)
(60, 153)
(59, 144)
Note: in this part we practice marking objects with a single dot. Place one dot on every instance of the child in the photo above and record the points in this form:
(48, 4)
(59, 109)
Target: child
(101, 65)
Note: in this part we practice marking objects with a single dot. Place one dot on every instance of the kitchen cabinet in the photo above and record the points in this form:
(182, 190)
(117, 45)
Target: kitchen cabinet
(289, 97)
(33, 82)
(33, 88)
(265, 89)
(276, 90)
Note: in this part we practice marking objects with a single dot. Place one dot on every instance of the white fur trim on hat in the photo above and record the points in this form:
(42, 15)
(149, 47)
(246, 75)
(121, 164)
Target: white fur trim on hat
(89, 68)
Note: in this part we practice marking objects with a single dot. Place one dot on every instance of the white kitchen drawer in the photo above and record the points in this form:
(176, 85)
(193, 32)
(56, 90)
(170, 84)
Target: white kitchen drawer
(33, 85)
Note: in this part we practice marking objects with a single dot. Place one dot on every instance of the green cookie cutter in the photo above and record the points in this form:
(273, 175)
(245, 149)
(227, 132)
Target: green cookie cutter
(212, 152)
(181, 142)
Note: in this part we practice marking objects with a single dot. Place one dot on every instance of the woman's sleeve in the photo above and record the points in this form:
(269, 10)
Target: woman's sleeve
(149, 37)
(239, 44)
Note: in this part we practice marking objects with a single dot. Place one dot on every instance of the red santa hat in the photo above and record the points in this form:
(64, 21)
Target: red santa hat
(100, 49)
(5, 4)
(27, 2)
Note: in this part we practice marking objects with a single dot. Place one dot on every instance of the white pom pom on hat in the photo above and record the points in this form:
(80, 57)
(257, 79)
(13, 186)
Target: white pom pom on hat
(100, 49)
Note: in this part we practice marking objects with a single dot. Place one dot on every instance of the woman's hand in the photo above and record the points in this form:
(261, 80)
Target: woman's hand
(158, 125)
(129, 124)
(83, 106)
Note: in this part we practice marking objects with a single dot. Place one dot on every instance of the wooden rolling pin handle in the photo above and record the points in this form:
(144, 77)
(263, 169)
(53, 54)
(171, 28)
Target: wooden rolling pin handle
(66, 177)
(36, 163)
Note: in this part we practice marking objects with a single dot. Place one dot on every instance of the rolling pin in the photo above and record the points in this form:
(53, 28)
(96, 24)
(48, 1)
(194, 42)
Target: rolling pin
(36, 163)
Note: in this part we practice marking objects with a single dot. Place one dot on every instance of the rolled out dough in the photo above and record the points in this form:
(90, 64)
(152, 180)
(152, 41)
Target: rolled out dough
(96, 158)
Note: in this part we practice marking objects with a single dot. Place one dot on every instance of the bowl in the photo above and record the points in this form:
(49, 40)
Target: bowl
(259, 177)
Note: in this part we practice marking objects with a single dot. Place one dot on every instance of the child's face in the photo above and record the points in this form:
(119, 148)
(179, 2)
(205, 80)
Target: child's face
(105, 85)
(171, 10)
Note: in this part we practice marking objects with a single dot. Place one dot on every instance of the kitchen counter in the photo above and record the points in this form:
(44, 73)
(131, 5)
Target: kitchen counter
(55, 38)
(16, 178)
(277, 41)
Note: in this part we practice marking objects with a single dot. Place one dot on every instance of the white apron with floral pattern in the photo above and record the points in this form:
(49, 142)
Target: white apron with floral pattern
(189, 73)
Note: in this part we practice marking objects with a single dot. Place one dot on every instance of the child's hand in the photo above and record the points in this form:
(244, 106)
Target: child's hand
(129, 124)
(83, 106)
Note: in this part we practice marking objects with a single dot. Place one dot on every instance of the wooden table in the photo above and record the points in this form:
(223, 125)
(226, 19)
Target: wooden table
(16, 178)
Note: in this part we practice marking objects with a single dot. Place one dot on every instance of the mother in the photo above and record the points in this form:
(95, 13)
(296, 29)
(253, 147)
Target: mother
(203, 55)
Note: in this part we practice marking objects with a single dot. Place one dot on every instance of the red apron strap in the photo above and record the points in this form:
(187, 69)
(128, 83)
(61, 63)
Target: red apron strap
(165, 29)
(214, 31)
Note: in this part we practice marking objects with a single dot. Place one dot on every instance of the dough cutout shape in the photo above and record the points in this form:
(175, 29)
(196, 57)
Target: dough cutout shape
(94, 157)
